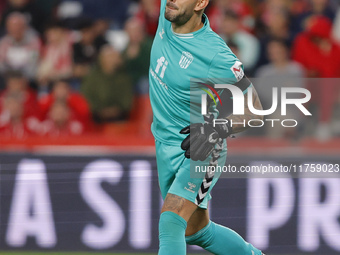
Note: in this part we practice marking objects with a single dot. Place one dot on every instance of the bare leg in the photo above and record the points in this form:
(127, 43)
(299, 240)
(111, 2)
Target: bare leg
(198, 220)
(179, 205)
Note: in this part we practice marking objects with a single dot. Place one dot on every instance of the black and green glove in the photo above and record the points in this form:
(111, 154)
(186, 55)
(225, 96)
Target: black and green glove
(202, 138)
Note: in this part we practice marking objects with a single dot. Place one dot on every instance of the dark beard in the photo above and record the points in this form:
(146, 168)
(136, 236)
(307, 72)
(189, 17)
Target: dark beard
(179, 19)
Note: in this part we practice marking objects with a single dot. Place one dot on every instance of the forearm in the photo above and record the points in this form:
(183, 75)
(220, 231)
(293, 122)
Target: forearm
(240, 123)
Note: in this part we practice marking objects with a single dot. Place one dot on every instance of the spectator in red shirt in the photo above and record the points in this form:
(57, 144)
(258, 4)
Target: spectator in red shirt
(60, 121)
(78, 106)
(324, 62)
(13, 123)
(243, 9)
(315, 7)
(56, 62)
(17, 84)
(320, 56)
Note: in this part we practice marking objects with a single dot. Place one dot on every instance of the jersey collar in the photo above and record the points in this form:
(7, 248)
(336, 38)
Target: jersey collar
(196, 33)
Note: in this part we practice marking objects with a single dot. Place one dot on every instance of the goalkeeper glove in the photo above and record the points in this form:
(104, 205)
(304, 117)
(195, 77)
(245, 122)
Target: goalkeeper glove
(202, 138)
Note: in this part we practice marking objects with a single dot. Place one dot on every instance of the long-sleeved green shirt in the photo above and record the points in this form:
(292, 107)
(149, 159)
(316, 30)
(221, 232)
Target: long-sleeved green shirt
(107, 90)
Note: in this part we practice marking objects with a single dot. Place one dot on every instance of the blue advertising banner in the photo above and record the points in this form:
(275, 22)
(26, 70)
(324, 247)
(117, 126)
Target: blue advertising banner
(112, 203)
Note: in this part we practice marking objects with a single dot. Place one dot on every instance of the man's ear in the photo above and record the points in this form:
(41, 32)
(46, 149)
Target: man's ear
(201, 5)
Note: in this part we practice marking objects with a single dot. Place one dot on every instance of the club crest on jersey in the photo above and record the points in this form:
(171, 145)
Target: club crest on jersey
(186, 60)
(237, 70)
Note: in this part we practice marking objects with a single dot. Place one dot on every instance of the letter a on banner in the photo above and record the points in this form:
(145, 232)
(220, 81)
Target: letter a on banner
(31, 212)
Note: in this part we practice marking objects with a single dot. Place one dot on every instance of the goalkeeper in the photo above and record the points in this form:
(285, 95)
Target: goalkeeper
(186, 48)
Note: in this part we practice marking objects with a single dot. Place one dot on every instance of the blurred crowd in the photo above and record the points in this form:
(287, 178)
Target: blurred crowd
(72, 67)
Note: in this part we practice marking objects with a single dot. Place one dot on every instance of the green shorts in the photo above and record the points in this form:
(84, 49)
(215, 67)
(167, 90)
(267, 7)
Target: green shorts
(183, 177)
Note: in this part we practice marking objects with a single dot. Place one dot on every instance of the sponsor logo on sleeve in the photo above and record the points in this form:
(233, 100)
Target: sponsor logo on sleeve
(237, 70)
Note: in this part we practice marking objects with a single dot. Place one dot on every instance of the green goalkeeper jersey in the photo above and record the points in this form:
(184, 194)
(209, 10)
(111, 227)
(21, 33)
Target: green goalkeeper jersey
(176, 60)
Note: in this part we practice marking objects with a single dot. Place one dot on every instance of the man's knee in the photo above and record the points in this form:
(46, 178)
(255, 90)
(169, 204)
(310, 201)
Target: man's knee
(179, 205)
(198, 220)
